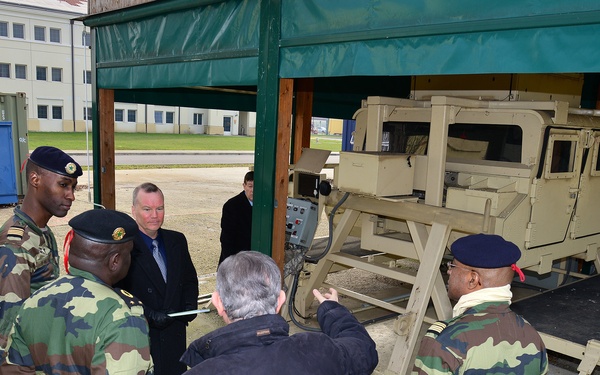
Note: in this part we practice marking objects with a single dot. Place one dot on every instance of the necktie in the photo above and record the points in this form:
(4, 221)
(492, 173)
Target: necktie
(159, 259)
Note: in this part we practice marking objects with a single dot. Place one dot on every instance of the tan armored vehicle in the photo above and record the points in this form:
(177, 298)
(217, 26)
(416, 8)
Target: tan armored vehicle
(423, 173)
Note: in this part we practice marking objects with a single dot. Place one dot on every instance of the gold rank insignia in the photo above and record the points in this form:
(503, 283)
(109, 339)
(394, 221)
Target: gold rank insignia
(118, 234)
(15, 233)
(437, 327)
(70, 168)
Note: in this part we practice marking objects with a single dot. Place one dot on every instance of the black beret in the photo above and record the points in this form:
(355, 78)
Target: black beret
(104, 226)
(55, 160)
(485, 251)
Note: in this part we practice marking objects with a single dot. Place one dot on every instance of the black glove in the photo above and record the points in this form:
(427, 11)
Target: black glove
(157, 319)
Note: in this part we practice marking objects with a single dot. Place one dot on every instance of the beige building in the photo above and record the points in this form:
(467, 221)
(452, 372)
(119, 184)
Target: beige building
(44, 52)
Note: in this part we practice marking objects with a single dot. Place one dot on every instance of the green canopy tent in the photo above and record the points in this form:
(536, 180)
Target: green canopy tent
(231, 54)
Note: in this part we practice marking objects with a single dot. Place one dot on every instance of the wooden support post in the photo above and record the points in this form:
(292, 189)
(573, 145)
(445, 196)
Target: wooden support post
(282, 165)
(407, 326)
(106, 110)
(303, 115)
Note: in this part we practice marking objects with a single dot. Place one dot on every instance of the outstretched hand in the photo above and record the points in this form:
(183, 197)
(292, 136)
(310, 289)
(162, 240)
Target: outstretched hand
(331, 296)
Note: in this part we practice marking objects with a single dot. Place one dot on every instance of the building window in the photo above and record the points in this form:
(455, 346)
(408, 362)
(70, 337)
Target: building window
(4, 29)
(87, 113)
(131, 115)
(118, 115)
(39, 33)
(4, 70)
(85, 39)
(170, 116)
(56, 112)
(20, 71)
(56, 75)
(18, 31)
(87, 77)
(42, 111)
(197, 118)
(41, 73)
(158, 117)
(55, 35)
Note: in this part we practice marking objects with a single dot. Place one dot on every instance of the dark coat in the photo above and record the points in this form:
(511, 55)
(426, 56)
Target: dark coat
(262, 345)
(236, 226)
(180, 293)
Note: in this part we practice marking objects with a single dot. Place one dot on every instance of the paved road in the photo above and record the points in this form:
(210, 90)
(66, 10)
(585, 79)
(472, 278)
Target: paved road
(169, 158)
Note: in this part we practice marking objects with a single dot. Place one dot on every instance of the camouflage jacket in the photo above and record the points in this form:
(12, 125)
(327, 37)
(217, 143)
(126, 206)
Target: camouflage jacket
(79, 325)
(26, 252)
(487, 338)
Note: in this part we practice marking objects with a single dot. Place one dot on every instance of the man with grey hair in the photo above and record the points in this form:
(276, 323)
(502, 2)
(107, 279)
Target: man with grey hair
(256, 339)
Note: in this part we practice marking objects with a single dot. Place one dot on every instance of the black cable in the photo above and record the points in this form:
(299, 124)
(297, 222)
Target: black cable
(330, 238)
(291, 307)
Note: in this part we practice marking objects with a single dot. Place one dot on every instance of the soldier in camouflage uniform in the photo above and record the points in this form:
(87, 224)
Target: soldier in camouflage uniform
(79, 324)
(484, 336)
(28, 250)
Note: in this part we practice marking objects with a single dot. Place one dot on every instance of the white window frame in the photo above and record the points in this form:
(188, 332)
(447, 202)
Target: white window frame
(59, 72)
(17, 76)
(5, 67)
(57, 107)
(54, 32)
(119, 115)
(18, 30)
(37, 71)
(36, 35)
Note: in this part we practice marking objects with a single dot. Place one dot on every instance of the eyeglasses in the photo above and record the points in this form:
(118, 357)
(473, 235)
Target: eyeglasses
(451, 265)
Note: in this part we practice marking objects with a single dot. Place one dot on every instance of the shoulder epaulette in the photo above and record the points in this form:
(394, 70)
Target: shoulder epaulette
(129, 298)
(437, 327)
(15, 233)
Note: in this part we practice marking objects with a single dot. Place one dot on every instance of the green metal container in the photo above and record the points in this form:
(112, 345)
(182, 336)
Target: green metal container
(13, 108)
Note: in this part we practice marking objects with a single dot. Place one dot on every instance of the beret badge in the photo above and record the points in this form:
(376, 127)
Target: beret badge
(70, 168)
(118, 234)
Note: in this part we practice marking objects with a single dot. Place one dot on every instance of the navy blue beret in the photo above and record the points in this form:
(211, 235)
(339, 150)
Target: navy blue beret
(55, 160)
(104, 226)
(485, 251)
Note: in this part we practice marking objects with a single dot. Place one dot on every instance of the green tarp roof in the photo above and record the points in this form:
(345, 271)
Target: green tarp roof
(184, 43)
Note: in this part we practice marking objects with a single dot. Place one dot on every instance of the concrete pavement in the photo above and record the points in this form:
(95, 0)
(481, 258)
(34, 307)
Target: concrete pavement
(191, 157)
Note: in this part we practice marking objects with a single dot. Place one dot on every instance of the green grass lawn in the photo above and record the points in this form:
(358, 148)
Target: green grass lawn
(143, 141)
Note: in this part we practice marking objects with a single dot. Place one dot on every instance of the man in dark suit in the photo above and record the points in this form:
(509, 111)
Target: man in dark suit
(163, 277)
(236, 221)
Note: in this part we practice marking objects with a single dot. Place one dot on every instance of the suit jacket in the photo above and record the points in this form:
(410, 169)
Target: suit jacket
(236, 226)
(179, 293)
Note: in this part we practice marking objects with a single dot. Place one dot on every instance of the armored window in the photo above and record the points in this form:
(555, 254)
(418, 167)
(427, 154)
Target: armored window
(56, 75)
(118, 115)
(39, 33)
(465, 141)
(41, 73)
(18, 31)
(42, 111)
(169, 118)
(561, 156)
(55, 35)
(57, 112)
(4, 29)
(4, 70)
(131, 115)
(20, 71)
